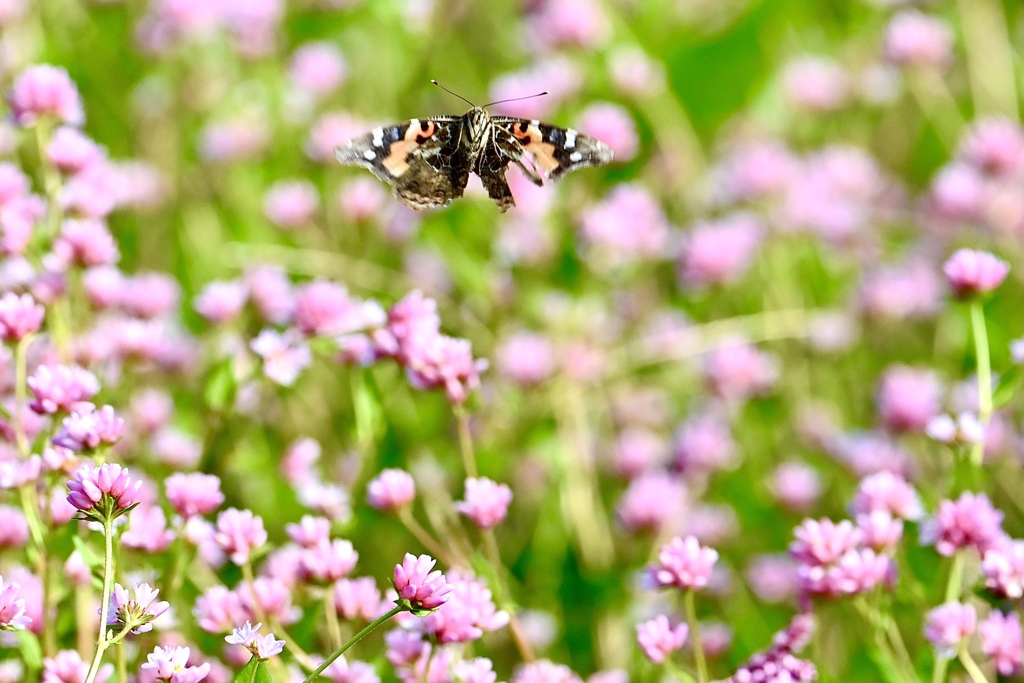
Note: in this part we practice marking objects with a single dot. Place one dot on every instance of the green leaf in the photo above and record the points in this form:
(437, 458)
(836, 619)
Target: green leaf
(28, 643)
(254, 672)
(89, 556)
(1009, 384)
(221, 386)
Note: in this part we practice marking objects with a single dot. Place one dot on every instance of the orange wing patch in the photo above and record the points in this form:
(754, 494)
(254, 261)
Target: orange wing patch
(533, 141)
(397, 160)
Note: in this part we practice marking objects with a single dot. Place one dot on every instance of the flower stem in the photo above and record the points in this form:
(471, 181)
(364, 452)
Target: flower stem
(20, 393)
(331, 614)
(698, 648)
(505, 596)
(108, 575)
(972, 667)
(465, 440)
(984, 371)
(953, 588)
(423, 536)
(352, 641)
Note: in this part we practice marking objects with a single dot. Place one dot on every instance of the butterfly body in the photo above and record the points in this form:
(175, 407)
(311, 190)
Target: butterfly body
(428, 161)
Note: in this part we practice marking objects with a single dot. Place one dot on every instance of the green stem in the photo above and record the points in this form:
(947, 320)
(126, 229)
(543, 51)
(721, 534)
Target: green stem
(108, 574)
(465, 441)
(698, 647)
(953, 588)
(408, 520)
(984, 371)
(333, 625)
(20, 393)
(352, 641)
(505, 596)
(972, 667)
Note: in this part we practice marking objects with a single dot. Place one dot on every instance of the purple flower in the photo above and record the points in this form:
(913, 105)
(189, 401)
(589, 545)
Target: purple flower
(87, 429)
(103, 492)
(773, 578)
(971, 272)
(684, 564)
(486, 502)
(170, 664)
(636, 451)
(719, 252)
(44, 90)
(420, 589)
(12, 609)
(357, 598)
(971, 520)
(948, 625)
(908, 398)
(239, 533)
(135, 609)
(60, 387)
(659, 639)
(319, 68)
(703, 444)
(20, 316)
(193, 494)
(391, 489)
(263, 647)
(284, 356)
(779, 664)
(1001, 639)
(291, 203)
(221, 301)
(916, 39)
(1003, 569)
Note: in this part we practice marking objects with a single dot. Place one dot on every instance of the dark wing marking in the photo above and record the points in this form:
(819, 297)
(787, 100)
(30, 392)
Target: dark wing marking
(500, 149)
(553, 151)
(422, 159)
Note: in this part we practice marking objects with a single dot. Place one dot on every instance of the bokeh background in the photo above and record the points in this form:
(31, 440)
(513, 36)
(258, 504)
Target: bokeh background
(704, 325)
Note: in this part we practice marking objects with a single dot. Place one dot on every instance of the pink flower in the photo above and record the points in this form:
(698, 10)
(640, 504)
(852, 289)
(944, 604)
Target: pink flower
(486, 502)
(328, 561)
(221, 301)
(357, 598)
(738, 370)
(971, 272)
(526, 358)
(171, 664)
(816, 84)
(68, 667)
(1001, 639)
(637, 451)
(239, 533)
(13, 527)
(271, 597)
(71, 151)
(147, 530)
(467, 613)
(103, 492)
(343, 671)
(626, 226)
(719, 252)
(44, 90)
(856, 571)
(391, 490)
(12, 609)
(59, 388)
(319, 68)
(772, 578)
(270, 291)
(908, 398)
(796, 485)
(310, 532)
(971, 520)
(20, 316)
(231, 140)
(887, 492)
(822, 542)
(1003, 568)
(263, 647)
(477, 670)
(635, 73)
(194, 493)
(915, 39)
(880, 530)
(569, 22)
(612, 125)
(419, 587)
(659, 639)
(994, 146)
(150, 295)
(18, 220)
(363, 199)
(87, 428)
(329, 131)
(652, 501)
(291, 203)
(948, 625)
(545, 671)
(326, 308)
(86, 242)
(284, 356)
(703, 444)
(135, 609)
(218, 610)
(683, 563)
(904, 291)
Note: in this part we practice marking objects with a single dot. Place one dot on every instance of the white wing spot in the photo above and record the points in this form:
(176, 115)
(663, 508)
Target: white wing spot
(570, 138)
(378, 137)
(369, 155)
(535, 123)
(575, 156)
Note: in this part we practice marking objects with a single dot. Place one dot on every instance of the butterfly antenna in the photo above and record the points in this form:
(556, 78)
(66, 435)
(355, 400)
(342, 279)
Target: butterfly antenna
(452, 93)
(516, 99)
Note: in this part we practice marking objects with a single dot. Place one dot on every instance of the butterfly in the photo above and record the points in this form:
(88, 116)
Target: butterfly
(428, 161)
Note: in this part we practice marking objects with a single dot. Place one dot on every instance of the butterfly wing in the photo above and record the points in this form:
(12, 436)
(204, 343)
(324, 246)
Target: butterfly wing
(423, 159)
(550, 151)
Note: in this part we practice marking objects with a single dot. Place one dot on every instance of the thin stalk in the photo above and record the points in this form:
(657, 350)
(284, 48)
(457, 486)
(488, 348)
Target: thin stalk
(698, 648)
(984, 371)
(122, 666)
(20, 393)
(304, 660)
(250, 583)
(505, 596)
(953, 588)
(972, 667)
(423, 536)
(465, 440)
(331, 614)
(108, 575)
(352, 641)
